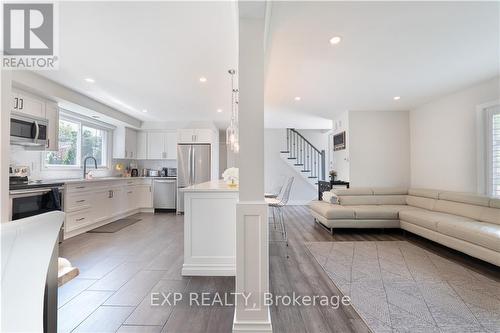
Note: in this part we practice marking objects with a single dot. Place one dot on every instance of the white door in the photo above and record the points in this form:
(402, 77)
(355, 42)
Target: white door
(52, 115)
(156, 146)
(171, 145)
(142, 145)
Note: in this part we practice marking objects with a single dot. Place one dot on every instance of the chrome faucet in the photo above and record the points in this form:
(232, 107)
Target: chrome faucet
(85, 165)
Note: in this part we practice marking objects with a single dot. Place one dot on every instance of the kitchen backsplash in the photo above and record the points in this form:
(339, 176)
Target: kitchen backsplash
(33, 159)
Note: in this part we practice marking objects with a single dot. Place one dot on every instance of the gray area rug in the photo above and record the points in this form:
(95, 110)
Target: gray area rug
(399, 287)
(115, 226)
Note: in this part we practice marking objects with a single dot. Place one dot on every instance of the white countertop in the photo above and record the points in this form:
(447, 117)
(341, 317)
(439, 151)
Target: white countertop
(100, 179)
(27, 246)
(211, 186)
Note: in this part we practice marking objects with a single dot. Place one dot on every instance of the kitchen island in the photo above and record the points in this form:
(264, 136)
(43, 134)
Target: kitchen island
(210, 229)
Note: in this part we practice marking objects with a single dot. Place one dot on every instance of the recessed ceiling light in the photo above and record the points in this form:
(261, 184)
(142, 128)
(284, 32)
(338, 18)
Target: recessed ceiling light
(297, 98)
(144, 110)
(203, 79)
(335, 40)
(90, 80)
(396, 98)
(219, 110)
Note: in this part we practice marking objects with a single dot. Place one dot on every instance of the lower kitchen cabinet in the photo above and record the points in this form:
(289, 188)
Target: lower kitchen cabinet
(91, 204)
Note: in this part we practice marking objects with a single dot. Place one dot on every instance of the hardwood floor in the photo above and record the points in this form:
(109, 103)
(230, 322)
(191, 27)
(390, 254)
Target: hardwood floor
(119, 271)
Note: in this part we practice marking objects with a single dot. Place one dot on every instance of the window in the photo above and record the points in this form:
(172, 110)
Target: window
(493, 154)
(77, 140)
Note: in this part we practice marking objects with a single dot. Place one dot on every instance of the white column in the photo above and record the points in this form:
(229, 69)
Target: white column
(252, 252)
(5, 89)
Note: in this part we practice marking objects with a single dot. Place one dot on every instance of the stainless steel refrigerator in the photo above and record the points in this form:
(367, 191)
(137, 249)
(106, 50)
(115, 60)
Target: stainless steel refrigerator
(193, 167)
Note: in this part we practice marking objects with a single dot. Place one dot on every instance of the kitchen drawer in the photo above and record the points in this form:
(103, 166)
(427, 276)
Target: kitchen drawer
(77, 201)
(78, 220)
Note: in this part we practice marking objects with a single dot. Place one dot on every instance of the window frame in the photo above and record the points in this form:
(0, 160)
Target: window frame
(87, 122)
(490, 113)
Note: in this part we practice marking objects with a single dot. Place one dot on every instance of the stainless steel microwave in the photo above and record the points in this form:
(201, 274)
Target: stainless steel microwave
(26, 130)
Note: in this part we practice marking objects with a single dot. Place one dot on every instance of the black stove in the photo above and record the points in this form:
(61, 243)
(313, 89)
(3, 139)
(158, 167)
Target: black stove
(22, 183)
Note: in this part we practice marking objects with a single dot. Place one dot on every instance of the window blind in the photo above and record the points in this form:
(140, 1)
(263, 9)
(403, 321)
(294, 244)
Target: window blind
(494, 150)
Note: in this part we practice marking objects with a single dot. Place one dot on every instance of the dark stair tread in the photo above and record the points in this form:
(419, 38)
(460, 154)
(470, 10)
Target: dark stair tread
(298, 164)
(305, 170)
(292, 158)
(285, 152)
(312, 177)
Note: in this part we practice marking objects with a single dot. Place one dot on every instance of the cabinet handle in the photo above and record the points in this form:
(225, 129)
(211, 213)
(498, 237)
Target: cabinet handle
(22, 103)
(48, 143)
(80, 219)
(79, 201)
(126, 154)
(132, 154)
(80, 187)
(16, 100)
(129, 192)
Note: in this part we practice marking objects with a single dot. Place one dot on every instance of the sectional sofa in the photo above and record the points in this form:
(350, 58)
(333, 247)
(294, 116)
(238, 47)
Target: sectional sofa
(466, 222)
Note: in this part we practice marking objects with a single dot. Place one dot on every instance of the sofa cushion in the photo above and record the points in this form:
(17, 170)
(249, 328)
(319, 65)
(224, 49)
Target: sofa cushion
(456, 208)
(389, 190)
(490, 215)
(468, 198)
(353, 191)
(356, 200)
(423, 192)
(373, 212)
(479, 233)
(420, 202)
(330, 211)
(420, 217)
(494, 203)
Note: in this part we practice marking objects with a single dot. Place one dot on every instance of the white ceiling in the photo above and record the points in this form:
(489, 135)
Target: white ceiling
(150, 56)
(416, 50)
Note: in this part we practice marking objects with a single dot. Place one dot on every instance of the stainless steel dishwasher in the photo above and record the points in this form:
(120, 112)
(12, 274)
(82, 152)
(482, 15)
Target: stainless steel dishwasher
(164, 193)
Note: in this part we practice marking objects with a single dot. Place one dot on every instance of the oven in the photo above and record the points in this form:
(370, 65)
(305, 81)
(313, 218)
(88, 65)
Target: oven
(33, 201)
(27, 130)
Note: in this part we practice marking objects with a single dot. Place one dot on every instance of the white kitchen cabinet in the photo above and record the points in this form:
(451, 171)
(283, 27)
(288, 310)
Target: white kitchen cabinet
(156, 147)
(52, 115)
(144, 196)
(171, 145)
(162, 145)
(202, 135)
(28, 104)
(125, 143)
(142, 145)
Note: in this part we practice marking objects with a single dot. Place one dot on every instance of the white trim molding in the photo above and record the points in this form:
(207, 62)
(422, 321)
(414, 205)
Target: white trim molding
(252, 267)
(482, 146)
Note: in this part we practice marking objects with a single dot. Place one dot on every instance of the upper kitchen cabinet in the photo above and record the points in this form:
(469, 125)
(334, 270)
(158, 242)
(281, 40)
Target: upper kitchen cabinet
(125, 143)
(195, 135)
(23, 102)
(142, 145)
(162, 145)
(52, 115)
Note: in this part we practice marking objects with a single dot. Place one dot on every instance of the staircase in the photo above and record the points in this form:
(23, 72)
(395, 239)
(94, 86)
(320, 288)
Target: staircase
(304, 158)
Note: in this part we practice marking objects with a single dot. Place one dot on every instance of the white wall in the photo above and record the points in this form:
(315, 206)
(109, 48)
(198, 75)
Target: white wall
(443, 136)
(379, 151)
(339, 160)
(276, 170)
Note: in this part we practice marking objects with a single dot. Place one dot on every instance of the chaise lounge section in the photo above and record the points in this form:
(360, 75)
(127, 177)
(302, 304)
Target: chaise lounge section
(466, 222)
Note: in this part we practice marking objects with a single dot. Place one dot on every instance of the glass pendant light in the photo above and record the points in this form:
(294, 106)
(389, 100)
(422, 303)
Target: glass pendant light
(232, 132)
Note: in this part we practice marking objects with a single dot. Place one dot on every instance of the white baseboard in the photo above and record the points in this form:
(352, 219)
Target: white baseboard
(253, 326)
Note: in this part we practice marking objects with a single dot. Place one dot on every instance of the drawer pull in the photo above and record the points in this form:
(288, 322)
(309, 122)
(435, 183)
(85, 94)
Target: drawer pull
(80, 187)
(129, 192)
(79, 201)
(80, 219)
